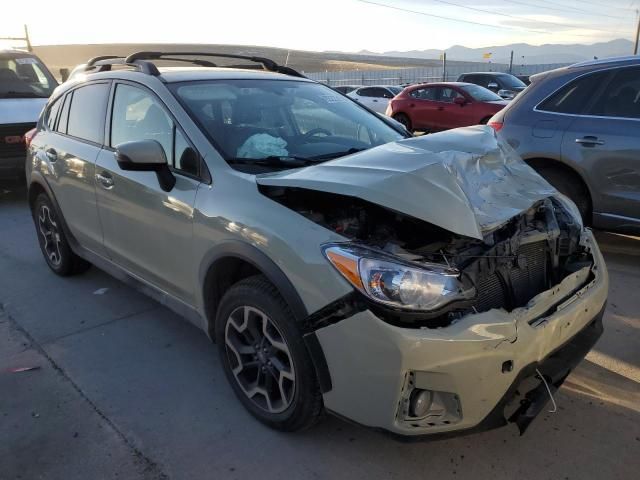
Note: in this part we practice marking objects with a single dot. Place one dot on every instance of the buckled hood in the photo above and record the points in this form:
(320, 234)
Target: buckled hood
(466, 180)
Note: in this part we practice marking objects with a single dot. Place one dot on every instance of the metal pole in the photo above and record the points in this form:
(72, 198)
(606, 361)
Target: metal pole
(444, 67)
(511, 63)
(26, 37)
(635, 47)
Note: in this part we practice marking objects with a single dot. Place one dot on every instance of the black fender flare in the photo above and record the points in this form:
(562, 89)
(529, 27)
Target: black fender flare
(252, 255)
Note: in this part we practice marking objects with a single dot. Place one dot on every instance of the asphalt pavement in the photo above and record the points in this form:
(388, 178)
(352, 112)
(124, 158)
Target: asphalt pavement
(117, 386)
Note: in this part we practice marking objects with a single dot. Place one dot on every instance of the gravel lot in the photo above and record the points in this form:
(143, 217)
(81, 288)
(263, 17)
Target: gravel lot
(126, 389)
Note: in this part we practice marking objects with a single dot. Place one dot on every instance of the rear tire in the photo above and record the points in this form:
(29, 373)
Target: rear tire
(264, 356)
(53, 242)
(572, 187)
(404, 120)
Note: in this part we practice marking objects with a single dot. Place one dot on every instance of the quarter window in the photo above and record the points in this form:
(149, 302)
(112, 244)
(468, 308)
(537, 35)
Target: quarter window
(87, 112)
(64, 115)
(575, 96)
(621, 98)
(53, 114)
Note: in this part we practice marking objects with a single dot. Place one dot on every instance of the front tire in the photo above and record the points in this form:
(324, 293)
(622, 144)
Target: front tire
(264, 356)
(53, 242)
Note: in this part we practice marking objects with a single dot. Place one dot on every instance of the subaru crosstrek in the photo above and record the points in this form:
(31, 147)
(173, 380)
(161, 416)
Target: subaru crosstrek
(415, 285)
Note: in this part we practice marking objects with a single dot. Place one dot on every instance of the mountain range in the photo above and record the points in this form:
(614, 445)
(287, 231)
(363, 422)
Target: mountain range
(522, 52)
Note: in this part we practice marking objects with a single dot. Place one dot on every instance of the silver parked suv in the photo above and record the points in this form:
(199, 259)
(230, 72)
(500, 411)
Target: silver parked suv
(579, 127)
(416, 285)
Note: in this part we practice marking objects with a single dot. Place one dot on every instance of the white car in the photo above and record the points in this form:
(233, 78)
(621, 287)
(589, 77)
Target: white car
(25, 86)
(375, 97)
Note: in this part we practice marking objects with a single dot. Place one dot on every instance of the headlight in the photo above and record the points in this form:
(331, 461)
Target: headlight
(391, 281)
(568, 206)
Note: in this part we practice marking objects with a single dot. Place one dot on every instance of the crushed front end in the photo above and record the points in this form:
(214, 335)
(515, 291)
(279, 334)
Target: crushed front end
(529, 307)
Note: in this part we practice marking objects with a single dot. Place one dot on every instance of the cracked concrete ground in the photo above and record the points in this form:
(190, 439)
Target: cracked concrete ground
(126, 389)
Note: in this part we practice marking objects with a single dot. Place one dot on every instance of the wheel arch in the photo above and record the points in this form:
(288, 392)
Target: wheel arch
(231, 261)
(544, 162)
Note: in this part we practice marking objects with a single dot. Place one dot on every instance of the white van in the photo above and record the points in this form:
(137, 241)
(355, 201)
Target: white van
(25, 86)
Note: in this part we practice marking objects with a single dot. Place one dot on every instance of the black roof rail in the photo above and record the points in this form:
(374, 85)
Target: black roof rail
(139, 58)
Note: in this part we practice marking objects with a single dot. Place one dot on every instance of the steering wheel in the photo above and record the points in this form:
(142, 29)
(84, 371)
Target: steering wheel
(315, 131)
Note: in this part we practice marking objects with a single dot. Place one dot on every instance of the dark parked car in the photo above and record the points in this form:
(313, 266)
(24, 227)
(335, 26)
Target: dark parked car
(346, 88)
(524, 79)
(504, 84)
(441, 106)
(579, 127)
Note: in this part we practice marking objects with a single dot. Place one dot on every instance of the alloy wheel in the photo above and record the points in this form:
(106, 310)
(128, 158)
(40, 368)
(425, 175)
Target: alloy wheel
(260, 359)
(50, 235)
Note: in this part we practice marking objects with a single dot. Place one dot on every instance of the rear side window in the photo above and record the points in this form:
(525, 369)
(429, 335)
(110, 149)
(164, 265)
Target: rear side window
(52, 114)
(574, 96)
(621, 98)
(87, 112)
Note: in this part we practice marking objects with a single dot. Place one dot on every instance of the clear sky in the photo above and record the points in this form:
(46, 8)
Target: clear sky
(344, 25)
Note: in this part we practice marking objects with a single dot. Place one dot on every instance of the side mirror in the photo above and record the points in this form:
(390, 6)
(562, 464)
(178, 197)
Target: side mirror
(64, 74)
(493, 86)
(460, 101)
(146, 156)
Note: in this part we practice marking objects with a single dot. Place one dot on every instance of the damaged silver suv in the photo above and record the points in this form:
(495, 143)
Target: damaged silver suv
(415, 285)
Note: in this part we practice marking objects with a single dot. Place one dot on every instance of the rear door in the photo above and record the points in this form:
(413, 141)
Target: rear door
(148, 231)
(422, 107)
(605, 140)
(71, 146)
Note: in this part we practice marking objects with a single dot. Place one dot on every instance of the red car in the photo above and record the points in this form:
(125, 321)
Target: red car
(440, 106)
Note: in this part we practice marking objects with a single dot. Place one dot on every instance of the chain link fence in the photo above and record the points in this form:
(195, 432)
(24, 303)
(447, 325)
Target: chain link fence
(401, 76)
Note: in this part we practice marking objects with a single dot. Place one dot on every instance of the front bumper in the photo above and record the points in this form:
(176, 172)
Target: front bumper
(477, 363)
(12, 167)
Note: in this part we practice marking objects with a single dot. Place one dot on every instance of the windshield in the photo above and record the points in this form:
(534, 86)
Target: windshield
(25, 77)
(395, 90)
(281, 123)
(481, 94)
(510, 81)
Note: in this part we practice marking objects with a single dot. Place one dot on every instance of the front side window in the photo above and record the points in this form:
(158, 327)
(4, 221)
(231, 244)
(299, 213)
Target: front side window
(575, 96)
(621, 98)
(448, 95)
(138, 115)
(254, 120)
(87, 112)
(427, 93)
(25, 77)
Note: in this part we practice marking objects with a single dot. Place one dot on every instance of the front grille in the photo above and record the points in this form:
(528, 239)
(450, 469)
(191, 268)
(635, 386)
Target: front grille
(514, 285)
(10, 148)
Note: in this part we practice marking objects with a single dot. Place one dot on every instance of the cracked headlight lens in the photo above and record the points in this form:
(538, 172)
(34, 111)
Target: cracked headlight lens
(391, 281)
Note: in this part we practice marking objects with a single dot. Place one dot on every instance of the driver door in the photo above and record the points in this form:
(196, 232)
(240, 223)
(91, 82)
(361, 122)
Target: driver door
(148, 231)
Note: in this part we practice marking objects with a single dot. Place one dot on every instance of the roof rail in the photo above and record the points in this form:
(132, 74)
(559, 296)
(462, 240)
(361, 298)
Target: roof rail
(603, 61)
(139, 58)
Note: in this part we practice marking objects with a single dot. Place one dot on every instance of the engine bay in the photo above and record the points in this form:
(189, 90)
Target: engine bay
(529, 254)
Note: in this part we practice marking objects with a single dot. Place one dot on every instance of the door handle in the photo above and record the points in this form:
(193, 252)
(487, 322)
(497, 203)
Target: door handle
(105, 180)
(412, 105)
(375, 100)
(589, 140)
(51, 154)
(440, 109)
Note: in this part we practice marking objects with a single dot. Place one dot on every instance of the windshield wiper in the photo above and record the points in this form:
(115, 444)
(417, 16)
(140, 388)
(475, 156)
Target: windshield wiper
(331, 156)
(273, 161)
(14, 94)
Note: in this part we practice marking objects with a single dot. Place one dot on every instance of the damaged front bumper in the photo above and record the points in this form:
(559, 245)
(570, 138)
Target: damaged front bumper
(472, 369)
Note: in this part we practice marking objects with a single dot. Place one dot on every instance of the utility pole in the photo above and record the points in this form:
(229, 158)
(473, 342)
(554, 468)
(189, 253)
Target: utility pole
(26, 39)
(635, 47)
(511, 63)
(444, 66)
(21, 39)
